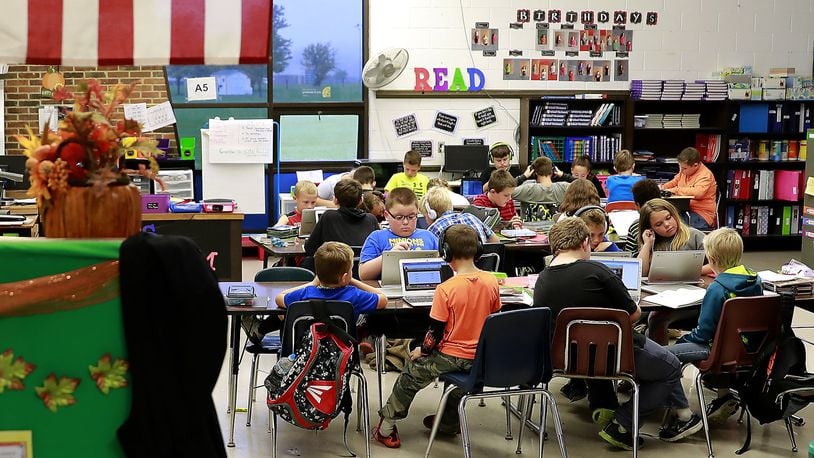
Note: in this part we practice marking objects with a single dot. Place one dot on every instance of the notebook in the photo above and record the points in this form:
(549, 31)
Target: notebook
(668, 267)
(419, 278)
(629, 270)
(391, 269)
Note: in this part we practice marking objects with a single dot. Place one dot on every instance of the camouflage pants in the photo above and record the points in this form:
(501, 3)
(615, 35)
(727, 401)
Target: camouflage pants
(417, 375)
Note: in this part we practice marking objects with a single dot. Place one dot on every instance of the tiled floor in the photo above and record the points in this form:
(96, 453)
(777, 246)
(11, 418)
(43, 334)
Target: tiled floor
(487, 424)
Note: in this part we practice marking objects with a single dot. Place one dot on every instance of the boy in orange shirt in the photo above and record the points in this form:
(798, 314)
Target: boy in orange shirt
(459, 309)
(696, 180)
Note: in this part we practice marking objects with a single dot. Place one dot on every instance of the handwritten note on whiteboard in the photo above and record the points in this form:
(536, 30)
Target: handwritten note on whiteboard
(245, 141)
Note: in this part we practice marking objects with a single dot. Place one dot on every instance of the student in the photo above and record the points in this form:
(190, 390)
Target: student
(333, 281)
(580, 193)
(502, 154)
(643, 192)
(305, 196)
(619, 185)
(597, 221)
(373, 203)
(572, 280)
(542, 189)
(457, 199)
(723, 248)
(348, 224)
(696, 180)
(409, 178)
(459, 309)
(401, 212)
(437, 207)
(662, 229)
(366, 177)
(325, 190)
(581, 170)
(499, 195)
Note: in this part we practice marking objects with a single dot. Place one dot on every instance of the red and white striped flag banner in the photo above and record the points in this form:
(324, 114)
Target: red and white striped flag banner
(134, 32)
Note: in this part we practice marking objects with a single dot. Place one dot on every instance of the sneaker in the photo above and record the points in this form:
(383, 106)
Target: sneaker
(602, 417)
(679, 429)
(575, 390)
(429, 421)
(722, 408)
(624, 440)
(391, 441)
(366, 348)
(251, 325)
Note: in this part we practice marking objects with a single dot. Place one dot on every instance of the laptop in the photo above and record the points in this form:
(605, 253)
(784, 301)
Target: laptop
(391, 269)
(673, 267)
(611, 254)
(310, 217)
(629, 270)
(419, 278)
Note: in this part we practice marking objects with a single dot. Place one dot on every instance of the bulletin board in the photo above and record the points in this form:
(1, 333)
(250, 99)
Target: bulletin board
(64, 343)
(190, 121)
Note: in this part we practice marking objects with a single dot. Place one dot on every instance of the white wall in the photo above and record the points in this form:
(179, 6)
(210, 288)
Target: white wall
(693, 39)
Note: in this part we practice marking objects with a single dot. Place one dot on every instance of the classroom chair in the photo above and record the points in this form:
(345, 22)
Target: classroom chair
(493, 253)
(514, 358)
(620, 205)
(758, 317)
(596, 344)
(271, 342)
(298, 319)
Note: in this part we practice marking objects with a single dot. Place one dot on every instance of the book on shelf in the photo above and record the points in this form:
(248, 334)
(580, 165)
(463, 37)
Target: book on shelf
(709, 145)
(740, 149)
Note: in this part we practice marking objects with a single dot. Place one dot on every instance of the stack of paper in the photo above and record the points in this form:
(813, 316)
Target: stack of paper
(677, 298)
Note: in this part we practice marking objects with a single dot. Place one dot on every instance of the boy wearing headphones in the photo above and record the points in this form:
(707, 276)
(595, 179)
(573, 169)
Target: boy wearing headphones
(597, 221)
(459, 309)
(501, 155)
(437, 207)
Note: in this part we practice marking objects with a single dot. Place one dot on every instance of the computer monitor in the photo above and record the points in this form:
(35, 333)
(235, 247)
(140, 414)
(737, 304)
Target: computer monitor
(471, 187)
(466, 158)
(15, 164)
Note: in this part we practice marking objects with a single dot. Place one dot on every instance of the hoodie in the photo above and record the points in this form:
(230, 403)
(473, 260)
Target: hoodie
(735, 282)
(347, 225)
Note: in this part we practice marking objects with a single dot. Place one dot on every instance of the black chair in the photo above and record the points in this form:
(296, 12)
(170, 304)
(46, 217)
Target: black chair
(490, 259)
(513, 356)
(271, 342)
(298, 319)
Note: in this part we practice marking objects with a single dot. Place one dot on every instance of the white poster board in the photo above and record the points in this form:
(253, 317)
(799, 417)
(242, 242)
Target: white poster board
(242, 182)
(241, 141)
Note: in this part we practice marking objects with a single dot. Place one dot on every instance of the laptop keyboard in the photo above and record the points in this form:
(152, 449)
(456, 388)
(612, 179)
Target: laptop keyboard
(418, 299)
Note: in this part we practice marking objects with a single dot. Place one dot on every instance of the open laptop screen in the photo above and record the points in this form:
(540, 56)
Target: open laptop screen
(421, 275)
(627, 269)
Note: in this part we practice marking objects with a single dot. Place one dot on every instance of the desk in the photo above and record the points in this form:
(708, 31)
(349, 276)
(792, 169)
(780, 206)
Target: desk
(28, 228)
(294, 248)
(681, 203)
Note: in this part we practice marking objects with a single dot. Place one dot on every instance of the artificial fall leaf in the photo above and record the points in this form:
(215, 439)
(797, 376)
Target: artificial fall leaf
(12, 372)
(57, 393)
(107, 375)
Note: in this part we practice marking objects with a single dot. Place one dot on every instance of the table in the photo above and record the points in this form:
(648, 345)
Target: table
(28, 228)
(681, 203)
(293, 249)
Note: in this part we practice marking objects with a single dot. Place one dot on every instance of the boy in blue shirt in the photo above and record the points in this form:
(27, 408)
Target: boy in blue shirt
(620, 185)
(401, 212)
(723, 248)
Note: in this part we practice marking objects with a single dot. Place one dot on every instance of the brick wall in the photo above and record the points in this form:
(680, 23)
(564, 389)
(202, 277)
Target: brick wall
(23, 97)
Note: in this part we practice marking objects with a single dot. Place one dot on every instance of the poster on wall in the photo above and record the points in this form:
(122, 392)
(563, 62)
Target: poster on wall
(422, 147)
(485, 117)
(621, 40)
(406, 125)
(621, 71)
(544, 69)
(516, 69)
(543, 41)
(445, 122)
(568, 70)
(484, 38)
(601, 71)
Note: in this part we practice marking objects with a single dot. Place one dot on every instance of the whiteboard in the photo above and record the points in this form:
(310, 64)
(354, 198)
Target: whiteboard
(241, 141)
(245, 183)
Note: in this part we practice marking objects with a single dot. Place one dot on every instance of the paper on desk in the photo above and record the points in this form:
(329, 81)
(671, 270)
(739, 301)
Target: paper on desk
(518, 233)
(621, 220)
(314, 176)
(768, 275)
(677, 298)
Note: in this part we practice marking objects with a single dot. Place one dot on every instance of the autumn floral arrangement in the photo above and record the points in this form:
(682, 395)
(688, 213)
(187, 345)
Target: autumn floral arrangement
(83, 168)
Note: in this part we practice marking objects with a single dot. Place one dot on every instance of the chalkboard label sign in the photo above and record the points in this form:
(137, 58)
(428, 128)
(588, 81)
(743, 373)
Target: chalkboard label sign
(485, 117)
(406, 125)
(422, 147)
(473, 141)
(445, 122)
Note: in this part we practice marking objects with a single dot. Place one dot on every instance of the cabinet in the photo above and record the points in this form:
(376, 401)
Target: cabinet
(178, 183)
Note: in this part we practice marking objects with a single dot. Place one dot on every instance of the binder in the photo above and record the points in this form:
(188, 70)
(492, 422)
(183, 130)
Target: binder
(730, 216)
(747, 220)
(753, 225)
(786, 230)
(754, 118)
(795, 220)
(787, 185)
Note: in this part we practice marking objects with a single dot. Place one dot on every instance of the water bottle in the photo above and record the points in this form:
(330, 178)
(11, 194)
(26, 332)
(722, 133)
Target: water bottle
(279, 370)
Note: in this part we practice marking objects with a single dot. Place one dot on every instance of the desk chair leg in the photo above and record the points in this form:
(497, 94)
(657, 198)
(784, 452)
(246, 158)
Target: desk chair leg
(545, 399)
(365, 410)
(252, 381)
(790, 430)
(507, 402)
(379, 351)
(465, 427)
(438, 413)
(525, 404)
(635, 417)
(699, 387)
(798, 421)
(358, 406)
(273, 426)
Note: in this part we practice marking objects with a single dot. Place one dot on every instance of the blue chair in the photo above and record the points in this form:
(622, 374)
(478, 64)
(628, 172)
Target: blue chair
(271, 343)
(514, 358)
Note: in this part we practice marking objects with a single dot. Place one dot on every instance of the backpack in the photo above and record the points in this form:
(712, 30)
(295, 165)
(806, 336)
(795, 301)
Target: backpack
(316, 388)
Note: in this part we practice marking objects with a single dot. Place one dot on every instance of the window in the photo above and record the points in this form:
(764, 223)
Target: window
(319, 137)
(317, 51)
(235, 83)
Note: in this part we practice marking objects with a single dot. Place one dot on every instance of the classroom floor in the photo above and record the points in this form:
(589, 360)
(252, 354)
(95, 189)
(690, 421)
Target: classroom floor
(488, 424)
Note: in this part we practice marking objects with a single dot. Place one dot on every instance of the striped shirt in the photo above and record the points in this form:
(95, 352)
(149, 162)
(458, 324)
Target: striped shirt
(507, 211)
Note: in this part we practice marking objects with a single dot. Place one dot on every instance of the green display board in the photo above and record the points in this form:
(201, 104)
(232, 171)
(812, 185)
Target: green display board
(64, 343)
(190, 121)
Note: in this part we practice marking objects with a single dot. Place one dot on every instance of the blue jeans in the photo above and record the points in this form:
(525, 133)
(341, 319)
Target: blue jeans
(658, 373)
(698, 222)
(686, 352)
